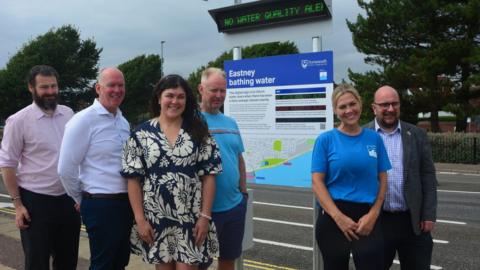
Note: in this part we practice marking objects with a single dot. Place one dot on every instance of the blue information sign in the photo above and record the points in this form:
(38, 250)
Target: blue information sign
(281, 104)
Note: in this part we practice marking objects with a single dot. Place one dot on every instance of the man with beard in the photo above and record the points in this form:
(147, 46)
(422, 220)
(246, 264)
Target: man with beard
(89, 167)
(48, 222)
(409, 209)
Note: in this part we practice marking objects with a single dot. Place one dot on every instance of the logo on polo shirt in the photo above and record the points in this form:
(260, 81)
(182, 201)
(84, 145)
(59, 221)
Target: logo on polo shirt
(372, 150)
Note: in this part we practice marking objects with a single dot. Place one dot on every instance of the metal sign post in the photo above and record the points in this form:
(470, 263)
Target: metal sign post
(317, 259)
(294, 102)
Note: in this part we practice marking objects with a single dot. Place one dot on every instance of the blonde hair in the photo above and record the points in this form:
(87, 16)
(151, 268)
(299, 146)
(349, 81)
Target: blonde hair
(342, 89)
(209, 71)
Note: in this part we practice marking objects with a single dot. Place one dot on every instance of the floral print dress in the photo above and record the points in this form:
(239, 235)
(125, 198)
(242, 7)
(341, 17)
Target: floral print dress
(172, 192)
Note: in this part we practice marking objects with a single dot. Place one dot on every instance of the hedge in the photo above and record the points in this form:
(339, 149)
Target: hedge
(455, 147)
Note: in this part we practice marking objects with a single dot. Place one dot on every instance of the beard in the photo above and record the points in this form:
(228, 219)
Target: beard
(388, 124)
(45, 102)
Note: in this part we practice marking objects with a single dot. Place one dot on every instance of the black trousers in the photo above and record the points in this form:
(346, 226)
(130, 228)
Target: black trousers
(414, 251)
(109, 224)
(54, 231)
(335, 248)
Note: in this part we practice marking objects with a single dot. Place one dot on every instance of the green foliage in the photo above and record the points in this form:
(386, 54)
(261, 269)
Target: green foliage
(141, 73)
(74, 59)
(256, 50)
(428, 49)
(455, 147)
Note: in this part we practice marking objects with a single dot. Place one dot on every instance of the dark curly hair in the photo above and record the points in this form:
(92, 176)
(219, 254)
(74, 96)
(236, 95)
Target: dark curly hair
(194, 123)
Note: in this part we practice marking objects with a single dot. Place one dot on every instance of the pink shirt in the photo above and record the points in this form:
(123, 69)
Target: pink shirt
(31, 144)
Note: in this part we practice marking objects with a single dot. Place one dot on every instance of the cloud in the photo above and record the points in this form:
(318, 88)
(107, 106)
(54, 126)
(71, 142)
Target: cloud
(126, 29)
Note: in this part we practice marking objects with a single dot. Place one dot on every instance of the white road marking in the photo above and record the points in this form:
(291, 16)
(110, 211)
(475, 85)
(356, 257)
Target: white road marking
(449, 173)
(283, 205)
(274, 243)
(283, 222)
(311, 226)
(440, 241)
(434, 267)
(310, 208)
(4, 195)
(451, 222)
(280, 244)
(458, 191)
(5, 205)
(462, 173)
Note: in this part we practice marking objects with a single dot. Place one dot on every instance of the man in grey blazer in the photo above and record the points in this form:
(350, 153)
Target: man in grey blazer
(409, 210)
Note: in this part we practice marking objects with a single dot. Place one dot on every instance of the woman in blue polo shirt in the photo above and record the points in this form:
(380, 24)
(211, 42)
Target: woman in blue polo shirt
(349, 179)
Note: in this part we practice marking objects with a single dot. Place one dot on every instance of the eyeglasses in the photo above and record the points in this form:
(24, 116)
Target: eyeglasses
(387, 105)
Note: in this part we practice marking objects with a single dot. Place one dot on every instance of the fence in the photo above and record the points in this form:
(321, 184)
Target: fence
(455, 147)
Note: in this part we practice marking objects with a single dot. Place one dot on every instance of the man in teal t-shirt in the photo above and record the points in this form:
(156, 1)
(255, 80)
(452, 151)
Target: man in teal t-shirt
(229, 206)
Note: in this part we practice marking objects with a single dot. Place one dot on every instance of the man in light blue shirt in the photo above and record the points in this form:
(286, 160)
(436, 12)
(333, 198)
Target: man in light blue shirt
(229, 206)
(409, 209)
(89, 168)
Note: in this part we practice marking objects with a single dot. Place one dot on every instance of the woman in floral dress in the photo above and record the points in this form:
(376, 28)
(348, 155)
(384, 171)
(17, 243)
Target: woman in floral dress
(170, 162)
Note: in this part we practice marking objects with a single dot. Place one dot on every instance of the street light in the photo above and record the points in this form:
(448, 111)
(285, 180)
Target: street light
(161, 58)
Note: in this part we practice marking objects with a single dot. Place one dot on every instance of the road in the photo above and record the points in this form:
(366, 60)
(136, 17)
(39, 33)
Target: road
(283, 229)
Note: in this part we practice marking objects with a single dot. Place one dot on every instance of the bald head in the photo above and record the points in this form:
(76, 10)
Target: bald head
(385, 90)
(106, 72)
(110, 88)
(386, 107)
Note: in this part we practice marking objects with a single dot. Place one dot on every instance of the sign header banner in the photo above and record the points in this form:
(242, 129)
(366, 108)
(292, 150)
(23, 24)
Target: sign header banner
(295, 69)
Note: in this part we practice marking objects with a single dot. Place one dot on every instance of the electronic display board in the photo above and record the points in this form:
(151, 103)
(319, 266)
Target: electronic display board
(268, 12)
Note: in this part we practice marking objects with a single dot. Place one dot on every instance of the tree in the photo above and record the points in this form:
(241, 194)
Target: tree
(141, 74)
(257, 50)
(74, 59)
(426, 49)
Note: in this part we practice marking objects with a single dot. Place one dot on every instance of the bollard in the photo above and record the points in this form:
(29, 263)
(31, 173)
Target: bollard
(317, 258)
(247, 242)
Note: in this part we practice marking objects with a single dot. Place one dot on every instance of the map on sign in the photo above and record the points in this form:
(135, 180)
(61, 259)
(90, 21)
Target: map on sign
(278, 161)
(281, 105)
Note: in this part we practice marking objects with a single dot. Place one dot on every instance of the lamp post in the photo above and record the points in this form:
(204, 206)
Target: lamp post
(162, 61)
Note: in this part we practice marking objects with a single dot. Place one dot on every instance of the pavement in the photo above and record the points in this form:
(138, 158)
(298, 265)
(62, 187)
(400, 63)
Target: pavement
(458, 168)
(11, 254)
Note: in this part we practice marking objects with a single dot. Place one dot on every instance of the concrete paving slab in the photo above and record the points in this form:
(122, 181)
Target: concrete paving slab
(11, 254)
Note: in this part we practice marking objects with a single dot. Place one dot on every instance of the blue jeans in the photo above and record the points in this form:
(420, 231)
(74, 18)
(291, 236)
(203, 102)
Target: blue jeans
(109, 223)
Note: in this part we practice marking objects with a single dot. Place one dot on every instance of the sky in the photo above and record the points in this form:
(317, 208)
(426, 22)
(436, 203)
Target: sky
(126, 29)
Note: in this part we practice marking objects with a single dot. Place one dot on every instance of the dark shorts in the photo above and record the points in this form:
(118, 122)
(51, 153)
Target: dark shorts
(230, 228)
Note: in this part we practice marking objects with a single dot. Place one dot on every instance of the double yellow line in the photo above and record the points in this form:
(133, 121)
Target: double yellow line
(7, 210)
(248, 263)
